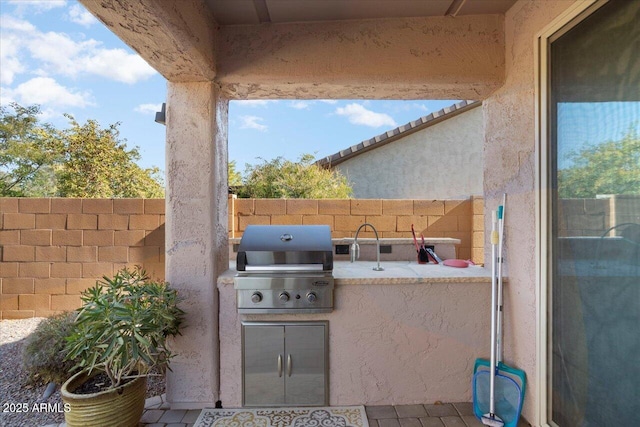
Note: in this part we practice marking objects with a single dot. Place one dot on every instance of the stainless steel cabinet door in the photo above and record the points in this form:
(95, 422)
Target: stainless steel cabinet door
(306, 365)
(263, 365)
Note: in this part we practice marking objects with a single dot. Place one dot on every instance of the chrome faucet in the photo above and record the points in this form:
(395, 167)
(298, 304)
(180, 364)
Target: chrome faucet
(355, 247)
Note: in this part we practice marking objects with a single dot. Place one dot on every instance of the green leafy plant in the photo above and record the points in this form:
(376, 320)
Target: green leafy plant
(43, 357)
(281, 178)
(82, 160)
(611, 167)
(123, 326)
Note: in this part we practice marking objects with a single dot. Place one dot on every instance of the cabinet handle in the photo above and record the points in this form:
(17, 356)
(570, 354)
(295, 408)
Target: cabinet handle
(289, 365)
(279, 365)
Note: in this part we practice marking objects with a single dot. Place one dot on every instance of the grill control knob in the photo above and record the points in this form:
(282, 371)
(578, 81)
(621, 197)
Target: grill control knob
(284, 297)
(312, 297)
(256, 297)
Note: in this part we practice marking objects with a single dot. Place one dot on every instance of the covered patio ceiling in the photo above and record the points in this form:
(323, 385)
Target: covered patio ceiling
(304, 49)
(247, 12)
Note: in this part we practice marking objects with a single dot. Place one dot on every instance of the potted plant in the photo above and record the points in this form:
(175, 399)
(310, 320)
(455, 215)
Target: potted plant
(120, 335)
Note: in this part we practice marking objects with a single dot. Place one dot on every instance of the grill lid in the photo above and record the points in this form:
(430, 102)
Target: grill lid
(285, 247)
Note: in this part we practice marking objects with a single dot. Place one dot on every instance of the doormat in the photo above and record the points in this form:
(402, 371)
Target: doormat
(334, 416)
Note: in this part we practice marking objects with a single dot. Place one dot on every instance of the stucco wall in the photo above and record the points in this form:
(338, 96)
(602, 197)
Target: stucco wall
(509, 120)
(444, 58)
(438, 57)
(196, 237)
(443, 161)
(388, 344)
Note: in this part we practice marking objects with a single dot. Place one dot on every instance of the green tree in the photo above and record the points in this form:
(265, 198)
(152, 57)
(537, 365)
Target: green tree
(28, 151)
(280, 178)
(37, 160)
(612, 167)
(98, 164)
(234, 177)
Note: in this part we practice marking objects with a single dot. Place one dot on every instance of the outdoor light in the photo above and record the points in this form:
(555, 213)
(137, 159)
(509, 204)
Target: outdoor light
(160, 115)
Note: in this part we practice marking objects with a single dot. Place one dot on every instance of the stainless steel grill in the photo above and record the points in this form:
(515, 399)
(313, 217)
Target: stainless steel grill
(285, 269)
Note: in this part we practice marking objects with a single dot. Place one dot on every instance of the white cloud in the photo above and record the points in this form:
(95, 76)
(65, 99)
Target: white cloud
(251, 122)
(57, 53)
(10, 67)
(117, 64)
(300, 105)
(359, 115)
(6, 97)
(254, 102)
(148, 108)
(46, 91)
(11, 64)
(36, 6)
(329, 101)
(80, 15)
(10, 23)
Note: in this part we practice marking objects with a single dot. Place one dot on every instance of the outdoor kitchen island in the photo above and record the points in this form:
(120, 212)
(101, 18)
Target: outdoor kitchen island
(407, 334)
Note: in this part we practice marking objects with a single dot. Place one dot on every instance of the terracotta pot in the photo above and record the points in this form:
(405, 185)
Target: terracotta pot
(122, 406)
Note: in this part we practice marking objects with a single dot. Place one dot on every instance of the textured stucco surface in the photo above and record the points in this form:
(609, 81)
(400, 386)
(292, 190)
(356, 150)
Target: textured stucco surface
(447, 58)
(443, 161)
(388, 344)
(410, 58)
(509, 116)
(196, 237)
(177, 38)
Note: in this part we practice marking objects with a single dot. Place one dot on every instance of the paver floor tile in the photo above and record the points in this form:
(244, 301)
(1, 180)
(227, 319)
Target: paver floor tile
(389, 422)
(453, 422)
(173, 416)
(410, 411)
(151, 416)
(191, 416)
(442, 410)
(472, 421)
(431, 422)
(464, 408)
(380, 412)
(409, 422)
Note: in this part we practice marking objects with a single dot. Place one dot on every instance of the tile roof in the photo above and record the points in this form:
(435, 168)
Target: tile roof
(397, 133)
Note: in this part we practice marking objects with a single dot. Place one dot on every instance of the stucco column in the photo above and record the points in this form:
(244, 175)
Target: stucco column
(196, 234)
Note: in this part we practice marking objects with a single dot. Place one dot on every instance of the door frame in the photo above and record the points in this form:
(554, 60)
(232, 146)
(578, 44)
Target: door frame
(572, 16)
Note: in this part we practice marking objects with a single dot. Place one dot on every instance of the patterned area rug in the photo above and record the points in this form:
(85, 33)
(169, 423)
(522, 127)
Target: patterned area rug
(335, 416)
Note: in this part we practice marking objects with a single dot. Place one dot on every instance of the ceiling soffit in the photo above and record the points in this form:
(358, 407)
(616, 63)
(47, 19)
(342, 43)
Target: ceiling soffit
(250, 12)
(182, 40)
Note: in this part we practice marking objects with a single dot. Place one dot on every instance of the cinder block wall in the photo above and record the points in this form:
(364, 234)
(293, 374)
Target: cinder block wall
(460, 219)
(477, 233)
(51, 249)
(592, 217)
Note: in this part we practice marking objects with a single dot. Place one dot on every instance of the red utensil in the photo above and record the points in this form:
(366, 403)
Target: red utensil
(423, 257)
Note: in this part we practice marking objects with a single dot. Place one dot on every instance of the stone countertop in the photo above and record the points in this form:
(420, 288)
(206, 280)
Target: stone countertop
(395, 272)
(383, 241)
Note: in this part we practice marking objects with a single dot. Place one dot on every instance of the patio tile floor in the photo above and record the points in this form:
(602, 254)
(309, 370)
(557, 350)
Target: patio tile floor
(460, 414)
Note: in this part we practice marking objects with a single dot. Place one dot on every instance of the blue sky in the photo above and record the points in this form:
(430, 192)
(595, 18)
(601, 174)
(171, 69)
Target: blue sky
(54, 53)
(582, 124)
(268, 129)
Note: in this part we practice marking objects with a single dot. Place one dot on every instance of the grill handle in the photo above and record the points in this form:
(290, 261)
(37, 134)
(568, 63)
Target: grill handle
(289, 365)
(279, 365)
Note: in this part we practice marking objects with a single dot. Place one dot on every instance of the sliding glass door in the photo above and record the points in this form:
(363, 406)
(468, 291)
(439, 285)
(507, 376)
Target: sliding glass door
(594, 173)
